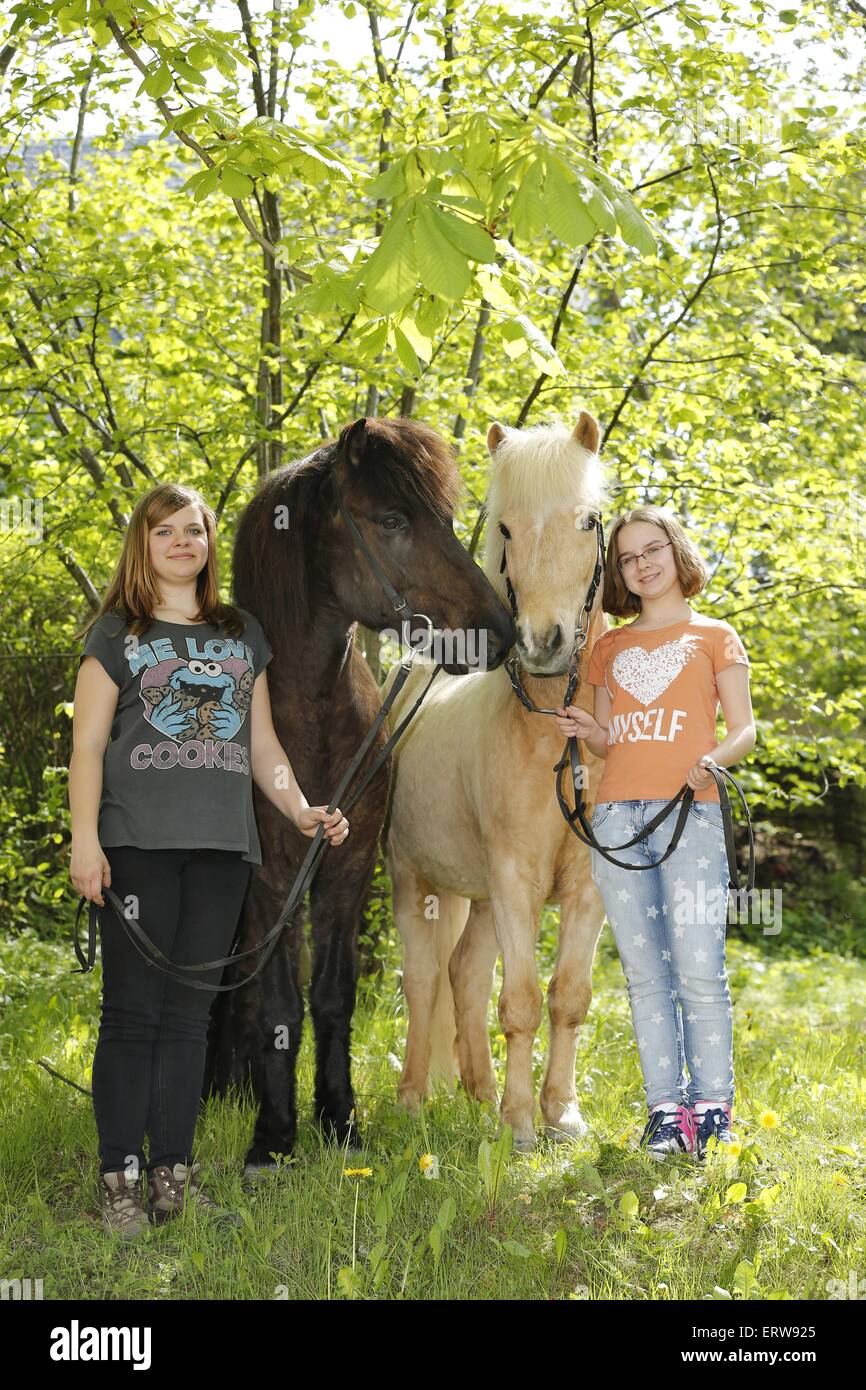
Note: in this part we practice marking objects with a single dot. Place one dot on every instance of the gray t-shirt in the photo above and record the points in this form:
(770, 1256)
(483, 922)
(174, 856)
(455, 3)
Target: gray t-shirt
(176, 773)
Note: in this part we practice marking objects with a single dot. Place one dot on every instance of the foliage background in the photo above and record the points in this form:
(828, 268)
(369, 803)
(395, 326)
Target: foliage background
(226, 230)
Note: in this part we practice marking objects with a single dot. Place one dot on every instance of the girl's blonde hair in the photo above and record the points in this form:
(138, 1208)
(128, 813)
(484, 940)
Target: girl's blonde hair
(691, 570)
(133, 591)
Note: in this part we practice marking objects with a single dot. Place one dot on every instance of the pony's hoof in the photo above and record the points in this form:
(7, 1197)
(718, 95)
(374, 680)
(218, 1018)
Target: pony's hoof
(562, 1136)
(253, 1172)
(571, 1127)
(523, 1143)
(411, 1101)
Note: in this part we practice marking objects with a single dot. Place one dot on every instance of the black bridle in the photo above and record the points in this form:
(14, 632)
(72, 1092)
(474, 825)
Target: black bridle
(307, 872)
(571, 757)
(581, 627)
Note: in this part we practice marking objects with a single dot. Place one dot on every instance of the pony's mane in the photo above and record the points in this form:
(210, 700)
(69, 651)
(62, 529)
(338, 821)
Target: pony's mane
(409, 460)
(272, 566)
(537, 471)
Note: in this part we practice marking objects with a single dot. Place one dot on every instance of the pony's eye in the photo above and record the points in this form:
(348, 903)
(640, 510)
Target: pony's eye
(391, 523)
(590, 521)
(505, 531)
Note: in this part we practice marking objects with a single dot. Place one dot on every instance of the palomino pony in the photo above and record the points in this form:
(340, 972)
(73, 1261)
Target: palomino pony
(300, 570)
(474, 829)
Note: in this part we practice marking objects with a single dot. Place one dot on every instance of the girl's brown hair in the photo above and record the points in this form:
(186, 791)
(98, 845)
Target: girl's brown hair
(691, 570)
(133, 591)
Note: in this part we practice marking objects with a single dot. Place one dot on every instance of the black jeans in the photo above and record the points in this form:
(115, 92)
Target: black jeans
(149, 1062)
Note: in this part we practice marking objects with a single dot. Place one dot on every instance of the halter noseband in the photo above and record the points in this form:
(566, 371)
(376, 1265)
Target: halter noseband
(581, 630)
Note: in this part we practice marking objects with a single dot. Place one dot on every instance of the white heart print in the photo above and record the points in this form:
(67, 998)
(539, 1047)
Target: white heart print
(645, 675)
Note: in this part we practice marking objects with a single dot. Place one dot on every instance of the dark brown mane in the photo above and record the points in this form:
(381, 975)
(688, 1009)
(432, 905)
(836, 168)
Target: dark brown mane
(404, 460)
(412, 462)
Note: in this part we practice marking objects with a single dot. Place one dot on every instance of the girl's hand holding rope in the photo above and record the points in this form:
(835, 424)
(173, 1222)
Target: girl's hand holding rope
(336, 825)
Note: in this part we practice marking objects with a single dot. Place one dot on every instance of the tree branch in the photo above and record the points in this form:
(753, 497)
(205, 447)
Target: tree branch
(684, 311)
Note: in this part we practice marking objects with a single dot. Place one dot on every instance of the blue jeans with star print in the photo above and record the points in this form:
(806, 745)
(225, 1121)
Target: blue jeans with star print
(669, 925)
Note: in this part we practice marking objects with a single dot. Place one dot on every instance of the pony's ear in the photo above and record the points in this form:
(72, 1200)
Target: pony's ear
(586, 432)
(495, 436)
(355, 441)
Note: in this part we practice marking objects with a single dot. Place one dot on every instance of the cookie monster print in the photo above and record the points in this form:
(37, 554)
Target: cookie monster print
(198, 698)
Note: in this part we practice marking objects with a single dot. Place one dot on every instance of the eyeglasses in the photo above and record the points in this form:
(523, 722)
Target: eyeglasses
(649, 554)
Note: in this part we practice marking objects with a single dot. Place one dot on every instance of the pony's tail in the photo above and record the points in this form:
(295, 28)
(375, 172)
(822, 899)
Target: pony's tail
(444, 1065)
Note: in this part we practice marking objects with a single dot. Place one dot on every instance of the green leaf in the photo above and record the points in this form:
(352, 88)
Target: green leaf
(200, 56)
(391, 274)
(633, 227)
(513, 1247)
(406, 353)
(434, 1240)
(187, 72)
(207, 182)
(442, 268)
(735, 1193)
(485, 1166)
(225, 61)
(567, 217)
(157, 83)
(540, 345)
(598, 206)
(447, 1213)
(390, 184)
(528, 216)
(234, 183)
(184, 120)
(629, 1205)
(745, 1277)
(422, 344)
(468, 237)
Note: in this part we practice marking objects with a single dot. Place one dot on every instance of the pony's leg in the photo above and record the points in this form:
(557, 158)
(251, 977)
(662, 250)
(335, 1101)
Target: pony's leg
(568, 999)
(515, 919)
(413, 901)
(336, 903)
(280, 1024)
(471, 970)
(450, 912)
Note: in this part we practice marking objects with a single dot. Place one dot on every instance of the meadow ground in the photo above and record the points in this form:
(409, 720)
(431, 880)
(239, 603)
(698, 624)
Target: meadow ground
(434, 1207)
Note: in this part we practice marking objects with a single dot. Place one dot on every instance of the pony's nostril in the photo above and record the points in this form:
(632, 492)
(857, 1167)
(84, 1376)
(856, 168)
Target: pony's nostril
(552, 640)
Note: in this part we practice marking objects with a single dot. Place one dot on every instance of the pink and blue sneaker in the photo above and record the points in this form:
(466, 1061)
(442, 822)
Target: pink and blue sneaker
(670, 1129)
(711, 1119)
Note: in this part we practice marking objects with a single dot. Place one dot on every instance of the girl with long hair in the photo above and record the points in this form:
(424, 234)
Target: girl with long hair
(171, 725)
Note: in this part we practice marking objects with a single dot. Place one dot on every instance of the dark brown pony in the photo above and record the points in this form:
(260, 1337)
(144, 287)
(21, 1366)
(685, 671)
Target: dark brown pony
(299, 570)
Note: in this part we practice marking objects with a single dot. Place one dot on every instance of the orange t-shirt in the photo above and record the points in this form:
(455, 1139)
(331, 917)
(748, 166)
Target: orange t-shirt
(664, 699)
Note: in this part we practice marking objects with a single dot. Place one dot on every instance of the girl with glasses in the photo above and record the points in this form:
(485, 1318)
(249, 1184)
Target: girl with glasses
(659, 681)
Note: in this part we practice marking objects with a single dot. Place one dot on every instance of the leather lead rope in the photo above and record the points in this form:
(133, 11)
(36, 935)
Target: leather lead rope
(570, 756)
(151, 952)
(138, 937)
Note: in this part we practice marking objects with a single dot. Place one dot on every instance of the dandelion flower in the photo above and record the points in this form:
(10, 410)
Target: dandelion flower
(357, 1172)
(734, 1149)
(768, 1119)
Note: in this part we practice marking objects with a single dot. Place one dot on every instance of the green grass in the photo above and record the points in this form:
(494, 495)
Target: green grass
(599, 1220)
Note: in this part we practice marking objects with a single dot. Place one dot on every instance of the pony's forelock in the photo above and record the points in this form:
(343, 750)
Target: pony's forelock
(538, 471)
